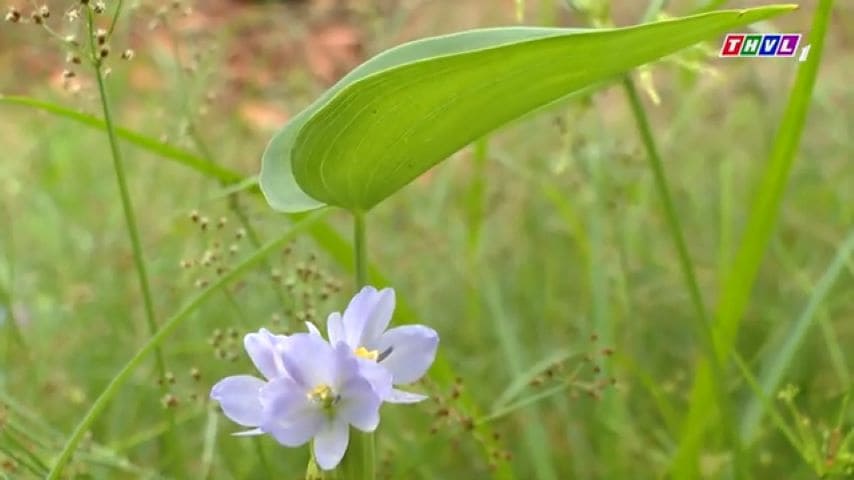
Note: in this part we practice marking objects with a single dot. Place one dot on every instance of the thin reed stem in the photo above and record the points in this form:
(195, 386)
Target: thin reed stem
(170, 443)
(360, 461)
(686, 265)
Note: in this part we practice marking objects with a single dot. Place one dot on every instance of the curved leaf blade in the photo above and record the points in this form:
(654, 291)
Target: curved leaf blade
(277, 180)
(380, 132)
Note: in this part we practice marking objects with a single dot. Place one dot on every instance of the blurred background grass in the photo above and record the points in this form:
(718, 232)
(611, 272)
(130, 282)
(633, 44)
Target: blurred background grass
(544, 244)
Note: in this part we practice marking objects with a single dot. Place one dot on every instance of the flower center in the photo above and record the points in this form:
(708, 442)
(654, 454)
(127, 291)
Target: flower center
(323, 395)
(363, 352)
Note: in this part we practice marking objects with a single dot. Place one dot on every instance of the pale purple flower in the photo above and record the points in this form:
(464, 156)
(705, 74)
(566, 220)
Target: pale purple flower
(314, 391)
(240, 395)
(404, 352)
(322, 395)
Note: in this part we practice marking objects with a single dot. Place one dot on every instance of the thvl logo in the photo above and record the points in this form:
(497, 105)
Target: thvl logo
(762, 45)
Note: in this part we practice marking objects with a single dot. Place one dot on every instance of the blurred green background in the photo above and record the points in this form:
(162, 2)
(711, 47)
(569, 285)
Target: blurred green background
(534, 253)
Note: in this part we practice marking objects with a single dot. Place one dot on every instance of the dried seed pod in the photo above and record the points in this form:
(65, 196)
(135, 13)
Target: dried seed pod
(170, 401)
(127, 54)
(101, 36)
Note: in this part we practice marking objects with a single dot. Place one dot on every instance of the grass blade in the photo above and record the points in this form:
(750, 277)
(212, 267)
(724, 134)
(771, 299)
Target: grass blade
(146, 143)
(702, 324)
(783, 356)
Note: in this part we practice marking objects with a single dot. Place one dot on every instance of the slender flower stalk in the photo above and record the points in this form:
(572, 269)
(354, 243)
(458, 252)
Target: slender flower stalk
(121, 179)
(128, 210)
(702, 325)
(360, 461)
(360, 249)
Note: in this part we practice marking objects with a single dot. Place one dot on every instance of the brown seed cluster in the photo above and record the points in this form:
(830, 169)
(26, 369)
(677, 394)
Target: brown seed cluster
(182, 390)
(75, 51)
(451, 419)
(13, 15)
(220, 250)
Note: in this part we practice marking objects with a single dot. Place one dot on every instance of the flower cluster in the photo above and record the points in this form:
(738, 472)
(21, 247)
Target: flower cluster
(315, 389)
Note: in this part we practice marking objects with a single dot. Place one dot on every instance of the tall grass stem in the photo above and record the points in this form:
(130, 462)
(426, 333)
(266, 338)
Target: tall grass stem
(686, 265)
(170, 442)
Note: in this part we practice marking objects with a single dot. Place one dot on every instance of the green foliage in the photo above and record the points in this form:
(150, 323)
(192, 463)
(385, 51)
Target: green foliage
(406, 110)
(740, 276)
(544, 247)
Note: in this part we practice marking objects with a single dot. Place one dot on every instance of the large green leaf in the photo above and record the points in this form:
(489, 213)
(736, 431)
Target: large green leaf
(409, 108)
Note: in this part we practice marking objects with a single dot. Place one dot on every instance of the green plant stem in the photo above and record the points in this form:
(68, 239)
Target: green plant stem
(359, 463)
(360, 247)
(116, 15)
(168, 327)
(170, 444)
(704, 327)
(127, 205)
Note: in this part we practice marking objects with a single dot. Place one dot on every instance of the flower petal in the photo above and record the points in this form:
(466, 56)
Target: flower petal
(309, 360)
(411, 350)
(379, 318)
(399, 396)
(335, 328)
(312, 329)
(359, 404)
(330, 443)
(367, 316)
(377, 375)
(238, 396)
(261, 348)
(289, 416)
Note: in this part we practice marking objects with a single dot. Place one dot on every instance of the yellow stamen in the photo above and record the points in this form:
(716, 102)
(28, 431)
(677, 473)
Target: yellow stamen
(363, 352)
(321, 393)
